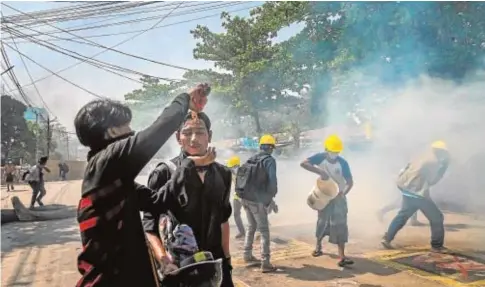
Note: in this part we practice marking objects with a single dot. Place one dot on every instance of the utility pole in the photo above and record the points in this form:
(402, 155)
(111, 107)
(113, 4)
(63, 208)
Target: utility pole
(48, 135)
(67, 146)
(37, 136)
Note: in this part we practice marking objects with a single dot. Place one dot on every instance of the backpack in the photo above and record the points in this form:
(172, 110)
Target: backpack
(182, 198)
(252, 180)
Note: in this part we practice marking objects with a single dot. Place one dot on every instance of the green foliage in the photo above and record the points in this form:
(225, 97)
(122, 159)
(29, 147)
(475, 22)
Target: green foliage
(341, 45)
(17, 140)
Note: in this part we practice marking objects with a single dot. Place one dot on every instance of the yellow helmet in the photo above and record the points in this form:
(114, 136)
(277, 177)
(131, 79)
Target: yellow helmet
(267, 139)
(233, 161)
(439, 145)
(333, 144)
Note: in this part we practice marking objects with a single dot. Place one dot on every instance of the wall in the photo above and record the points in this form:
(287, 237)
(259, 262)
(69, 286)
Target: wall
(76, 170)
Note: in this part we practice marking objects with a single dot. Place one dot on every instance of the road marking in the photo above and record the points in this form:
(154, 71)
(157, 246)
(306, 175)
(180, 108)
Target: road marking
(466, 267)
(240, 283)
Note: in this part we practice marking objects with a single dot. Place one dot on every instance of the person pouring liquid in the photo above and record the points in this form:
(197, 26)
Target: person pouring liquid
(332, 220)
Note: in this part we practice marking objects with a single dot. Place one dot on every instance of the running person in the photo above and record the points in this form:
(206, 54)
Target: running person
(414, 182)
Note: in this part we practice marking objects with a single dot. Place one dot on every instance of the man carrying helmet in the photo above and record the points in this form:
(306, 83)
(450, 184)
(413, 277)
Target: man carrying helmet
(414, 182)
(256, 185)
(332, 220)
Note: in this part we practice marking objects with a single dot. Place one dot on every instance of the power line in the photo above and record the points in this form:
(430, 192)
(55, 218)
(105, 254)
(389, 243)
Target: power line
(31, 79)
(95, 22)
(12, 76)
(55, 74)
(96, 63)
(110, 48)
(124, 41)
(132, 21)
(136, 31)
(206, 7)
(76, 13)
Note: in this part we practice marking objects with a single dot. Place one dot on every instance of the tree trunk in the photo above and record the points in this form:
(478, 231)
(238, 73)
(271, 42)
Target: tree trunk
(255, 116)
(296, 137)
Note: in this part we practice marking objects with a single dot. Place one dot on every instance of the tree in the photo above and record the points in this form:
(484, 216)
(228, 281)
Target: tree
(247, 52)
(18, 142)
(147, 103)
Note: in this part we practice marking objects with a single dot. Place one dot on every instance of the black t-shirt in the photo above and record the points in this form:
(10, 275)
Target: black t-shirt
(208, 204)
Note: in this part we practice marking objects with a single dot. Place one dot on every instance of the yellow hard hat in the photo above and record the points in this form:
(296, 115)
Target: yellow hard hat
(439, 145)
(233, 161)
(334, 144)
(267, 139)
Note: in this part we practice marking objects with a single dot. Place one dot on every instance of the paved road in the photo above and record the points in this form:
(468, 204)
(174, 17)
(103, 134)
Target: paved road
(44, 253)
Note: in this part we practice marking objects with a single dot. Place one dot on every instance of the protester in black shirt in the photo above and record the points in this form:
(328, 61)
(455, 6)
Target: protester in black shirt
(207, 207)
(115, 251)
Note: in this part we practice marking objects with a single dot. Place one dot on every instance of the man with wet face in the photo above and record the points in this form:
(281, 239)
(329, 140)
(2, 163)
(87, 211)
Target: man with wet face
(206, 207)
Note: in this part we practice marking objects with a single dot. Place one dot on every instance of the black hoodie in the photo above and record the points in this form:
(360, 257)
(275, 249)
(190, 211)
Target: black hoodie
(115, 251)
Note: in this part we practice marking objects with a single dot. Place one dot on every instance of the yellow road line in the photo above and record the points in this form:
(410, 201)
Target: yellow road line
(239, 283)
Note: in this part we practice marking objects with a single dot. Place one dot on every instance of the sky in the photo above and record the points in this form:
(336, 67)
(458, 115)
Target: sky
(172, 44)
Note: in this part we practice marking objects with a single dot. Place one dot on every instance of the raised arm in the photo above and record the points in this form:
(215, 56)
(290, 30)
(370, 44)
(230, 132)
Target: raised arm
(135, 152)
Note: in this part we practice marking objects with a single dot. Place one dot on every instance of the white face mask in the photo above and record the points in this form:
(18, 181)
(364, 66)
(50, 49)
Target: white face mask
(332, 155)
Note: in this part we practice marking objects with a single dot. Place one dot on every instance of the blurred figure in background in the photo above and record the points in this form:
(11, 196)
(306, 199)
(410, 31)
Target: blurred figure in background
(414, 182)
(9, 175)
(63, 170)
(35, 178)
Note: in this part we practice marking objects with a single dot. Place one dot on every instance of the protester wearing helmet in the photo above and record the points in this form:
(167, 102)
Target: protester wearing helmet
(414, 182)
(256, 185)
(332, 220)
(233, 163)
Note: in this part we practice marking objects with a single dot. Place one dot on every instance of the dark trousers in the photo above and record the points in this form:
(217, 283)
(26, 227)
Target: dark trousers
(409, 207)
(38, 192)
(395, 205)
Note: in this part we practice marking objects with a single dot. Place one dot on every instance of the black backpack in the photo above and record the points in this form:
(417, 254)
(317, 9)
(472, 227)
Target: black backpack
(252, 180)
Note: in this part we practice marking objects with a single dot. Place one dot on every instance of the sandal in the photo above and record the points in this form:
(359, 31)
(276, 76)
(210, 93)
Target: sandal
(317, 253)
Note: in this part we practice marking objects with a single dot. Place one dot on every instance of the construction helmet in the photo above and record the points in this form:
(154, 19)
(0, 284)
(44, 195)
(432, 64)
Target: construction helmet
(333, 144)
(233, 161)
(439, 145)
(267, 139)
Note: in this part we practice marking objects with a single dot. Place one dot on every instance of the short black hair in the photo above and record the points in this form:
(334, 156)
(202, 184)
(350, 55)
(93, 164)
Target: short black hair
(202, 116)
(43, 159)
(96, 117)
